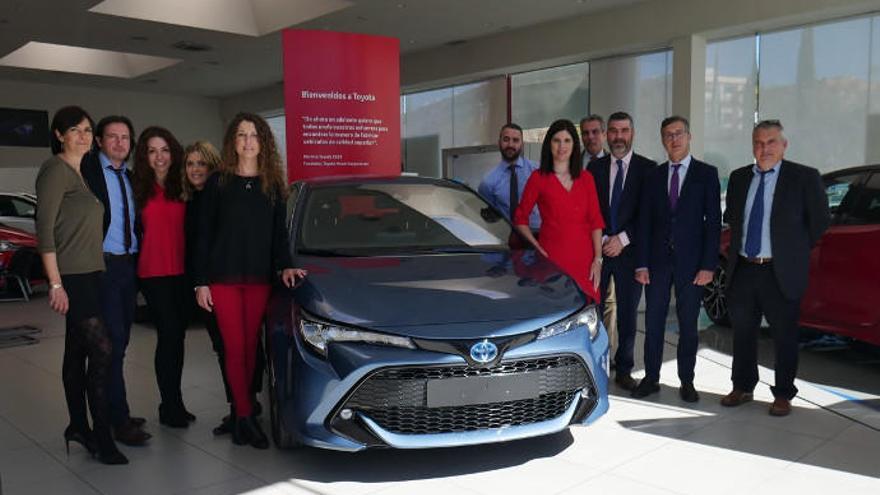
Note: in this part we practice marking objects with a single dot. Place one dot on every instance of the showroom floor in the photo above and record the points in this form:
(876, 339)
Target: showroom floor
(830, 443)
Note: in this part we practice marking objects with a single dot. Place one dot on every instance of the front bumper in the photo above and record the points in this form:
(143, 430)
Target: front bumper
(322, 403)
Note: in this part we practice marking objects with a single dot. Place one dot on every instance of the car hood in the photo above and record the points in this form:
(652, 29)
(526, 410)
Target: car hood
(439, 296)
(17, 236)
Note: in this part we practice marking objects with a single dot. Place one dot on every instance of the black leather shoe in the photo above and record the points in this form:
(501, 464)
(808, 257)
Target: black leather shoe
(645, 388)
(175, 417)
(131, 435)
(225, 426)
(240, 431)
(625, 381)
(688, 393)
(137, 421)
(84, 438)
(107, 452)
(257, 438)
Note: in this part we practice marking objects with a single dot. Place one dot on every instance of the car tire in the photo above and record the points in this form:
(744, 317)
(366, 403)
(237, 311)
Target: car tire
(282, 438)
(715, 296)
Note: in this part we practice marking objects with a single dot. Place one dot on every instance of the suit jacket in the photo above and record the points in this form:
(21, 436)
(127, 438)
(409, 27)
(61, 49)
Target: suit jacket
(688, 238)
(627, 215)
(93, 175)
(799, 217)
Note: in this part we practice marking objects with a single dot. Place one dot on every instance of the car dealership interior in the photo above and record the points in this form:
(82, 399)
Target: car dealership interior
(427, 345)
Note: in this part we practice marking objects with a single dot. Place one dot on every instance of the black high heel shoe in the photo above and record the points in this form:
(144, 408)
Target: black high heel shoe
(86, 439)
(107, 452)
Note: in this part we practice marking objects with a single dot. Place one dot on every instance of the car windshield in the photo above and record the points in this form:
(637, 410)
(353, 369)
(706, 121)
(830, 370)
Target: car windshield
(385, 218)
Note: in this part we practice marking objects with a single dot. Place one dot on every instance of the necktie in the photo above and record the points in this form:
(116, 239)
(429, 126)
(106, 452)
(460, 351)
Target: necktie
(125, 210)
(756, 219)
(673, 187)
(616, 195)
(514, 191)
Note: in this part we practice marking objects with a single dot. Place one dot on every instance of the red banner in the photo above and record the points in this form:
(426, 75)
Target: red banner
(342, 102)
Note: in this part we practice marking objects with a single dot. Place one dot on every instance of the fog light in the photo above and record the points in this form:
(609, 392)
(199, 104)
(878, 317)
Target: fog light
(345, 414)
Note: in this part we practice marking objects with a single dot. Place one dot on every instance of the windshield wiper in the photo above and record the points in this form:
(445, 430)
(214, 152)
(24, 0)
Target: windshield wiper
(329, 253)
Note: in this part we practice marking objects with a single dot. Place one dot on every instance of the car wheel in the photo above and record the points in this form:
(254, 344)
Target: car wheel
(280, 435)
(714, 297)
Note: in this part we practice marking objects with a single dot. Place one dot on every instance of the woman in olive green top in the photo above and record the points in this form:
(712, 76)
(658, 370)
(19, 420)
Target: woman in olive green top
(70, 234)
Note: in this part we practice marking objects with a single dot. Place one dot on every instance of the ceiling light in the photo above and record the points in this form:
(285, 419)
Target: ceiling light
(79, 60)
(191, 46)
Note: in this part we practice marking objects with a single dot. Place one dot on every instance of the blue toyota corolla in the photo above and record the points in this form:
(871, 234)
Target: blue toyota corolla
(424, 323)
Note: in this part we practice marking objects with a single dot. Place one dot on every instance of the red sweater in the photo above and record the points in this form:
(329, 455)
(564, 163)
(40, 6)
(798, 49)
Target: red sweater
(162, 244)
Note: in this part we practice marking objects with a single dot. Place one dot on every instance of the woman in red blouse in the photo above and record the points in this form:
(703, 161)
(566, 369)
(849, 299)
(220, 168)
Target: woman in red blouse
(157, 193)
(571, 222)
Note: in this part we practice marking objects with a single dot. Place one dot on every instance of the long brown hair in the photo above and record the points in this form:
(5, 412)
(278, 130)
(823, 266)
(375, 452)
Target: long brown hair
(209, 155)
(268, 161)
(143, 176)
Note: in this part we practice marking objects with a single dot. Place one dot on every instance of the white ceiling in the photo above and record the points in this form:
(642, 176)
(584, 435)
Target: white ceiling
(236, 63)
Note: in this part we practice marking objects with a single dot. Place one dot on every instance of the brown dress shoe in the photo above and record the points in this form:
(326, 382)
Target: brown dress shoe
(131, 435)
(780, 407)
(625, 381)
(736, 398)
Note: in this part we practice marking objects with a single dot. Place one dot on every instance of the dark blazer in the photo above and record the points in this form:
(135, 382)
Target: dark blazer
(692, 232)
(93, 175)
(800, 216)
(627, 216)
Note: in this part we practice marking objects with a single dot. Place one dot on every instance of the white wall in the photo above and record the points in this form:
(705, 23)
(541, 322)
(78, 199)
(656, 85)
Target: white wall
(189, 118)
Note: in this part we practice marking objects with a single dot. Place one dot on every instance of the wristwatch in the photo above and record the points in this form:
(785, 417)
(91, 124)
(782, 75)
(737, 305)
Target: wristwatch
(55, 286)
(599, 259)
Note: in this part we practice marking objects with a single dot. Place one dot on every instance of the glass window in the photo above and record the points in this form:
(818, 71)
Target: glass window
(840, 193)
(428, 129)
(640, 85)
(731, 77)
(866, 207)
(815, 79)
(542, 96)
(23, 208)
(278, 125)
(379, 218)
(478, 112)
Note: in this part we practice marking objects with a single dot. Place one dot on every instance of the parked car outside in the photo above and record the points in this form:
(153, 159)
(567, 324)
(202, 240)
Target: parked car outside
(18, 210)
(424, 323)
(843, 292)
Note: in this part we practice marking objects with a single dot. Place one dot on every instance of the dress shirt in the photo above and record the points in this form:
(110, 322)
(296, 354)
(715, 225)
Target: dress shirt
(114, 241)
(682, 172)
(769, 188)
(585, 159)
(495, 187)
(612, 174)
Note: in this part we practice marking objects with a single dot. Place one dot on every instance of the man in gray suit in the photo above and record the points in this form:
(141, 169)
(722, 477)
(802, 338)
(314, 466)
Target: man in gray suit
(776, 210)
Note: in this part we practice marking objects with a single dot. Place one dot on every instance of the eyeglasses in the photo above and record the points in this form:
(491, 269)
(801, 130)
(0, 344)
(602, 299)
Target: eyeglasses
(673, 136)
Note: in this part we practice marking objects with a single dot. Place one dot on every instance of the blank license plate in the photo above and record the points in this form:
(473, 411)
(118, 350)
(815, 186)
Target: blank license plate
(451, 392)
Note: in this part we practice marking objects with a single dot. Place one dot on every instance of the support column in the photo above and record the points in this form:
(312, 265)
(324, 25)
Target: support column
(689, 86)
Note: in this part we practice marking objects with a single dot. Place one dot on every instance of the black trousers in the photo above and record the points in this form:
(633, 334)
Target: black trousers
(168, 301)
(627, 293)
(753, 293)
(118, 300)
(87, 351)
(217, 344)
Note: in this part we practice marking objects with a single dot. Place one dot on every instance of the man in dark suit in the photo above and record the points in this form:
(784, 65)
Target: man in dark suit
(104, 171)
(679, 236)
(776, 210)
(619, 178)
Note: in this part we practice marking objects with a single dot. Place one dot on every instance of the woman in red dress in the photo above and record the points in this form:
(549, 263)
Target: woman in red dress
(571, 222)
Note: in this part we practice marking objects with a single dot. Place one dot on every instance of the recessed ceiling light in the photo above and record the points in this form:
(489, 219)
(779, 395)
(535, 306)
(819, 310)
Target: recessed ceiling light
(79, 60)
(401, 6)
(412, 42)
(191, 46)
(212, 62)
(247, 17)
(139, 38)
(361, 18)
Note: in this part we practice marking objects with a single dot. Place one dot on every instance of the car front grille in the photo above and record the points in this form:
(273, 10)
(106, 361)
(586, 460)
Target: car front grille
(396, 398)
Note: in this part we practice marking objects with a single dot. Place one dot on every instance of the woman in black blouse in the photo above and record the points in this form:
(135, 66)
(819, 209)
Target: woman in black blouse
(242, 246)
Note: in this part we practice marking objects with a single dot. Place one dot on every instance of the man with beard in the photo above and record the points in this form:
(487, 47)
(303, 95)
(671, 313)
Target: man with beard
(504, 184)
(593, 137)
(619, 179)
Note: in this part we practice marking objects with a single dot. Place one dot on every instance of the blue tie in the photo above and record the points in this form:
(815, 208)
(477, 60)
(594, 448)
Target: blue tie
(756, 219)
(616, 193)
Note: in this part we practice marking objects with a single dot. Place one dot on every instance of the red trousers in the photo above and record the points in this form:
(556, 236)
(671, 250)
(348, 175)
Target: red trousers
(240, 309)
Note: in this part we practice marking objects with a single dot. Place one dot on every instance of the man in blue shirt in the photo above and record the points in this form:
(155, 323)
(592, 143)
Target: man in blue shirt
(106, 174)
(503, 185)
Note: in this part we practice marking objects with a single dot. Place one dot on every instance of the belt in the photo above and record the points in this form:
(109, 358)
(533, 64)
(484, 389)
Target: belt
(119, 256)
(757, 261)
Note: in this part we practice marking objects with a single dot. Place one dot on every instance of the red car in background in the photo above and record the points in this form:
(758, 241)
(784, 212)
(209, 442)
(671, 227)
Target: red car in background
(843, 295)
(20, 265)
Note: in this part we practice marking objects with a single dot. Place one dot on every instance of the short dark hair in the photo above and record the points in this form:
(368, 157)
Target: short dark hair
(574, 161)
(621, 116)
(510, 125)
(673, 119)
(116, 119)
(769, 124)
(593, 118)
(64, 119)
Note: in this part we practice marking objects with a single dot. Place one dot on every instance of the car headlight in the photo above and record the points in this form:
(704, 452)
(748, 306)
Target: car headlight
(319, 334)
(7, 246)
(588, 316)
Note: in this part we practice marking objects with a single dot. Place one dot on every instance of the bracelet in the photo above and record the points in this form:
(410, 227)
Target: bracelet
(55, 286)
(196, 288)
